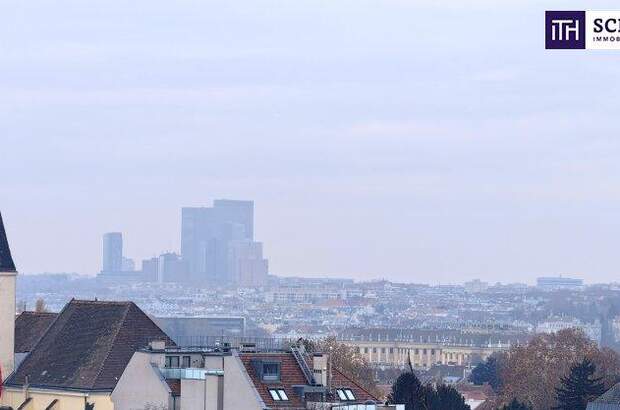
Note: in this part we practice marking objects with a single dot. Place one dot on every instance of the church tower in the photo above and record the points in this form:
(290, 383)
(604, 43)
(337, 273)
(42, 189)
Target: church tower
(8, 277)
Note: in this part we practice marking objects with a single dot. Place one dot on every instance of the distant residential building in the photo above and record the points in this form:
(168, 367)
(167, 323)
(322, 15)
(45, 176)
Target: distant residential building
(476, 286)
(217, 244)
(425, 348)
(308, 294)
(112, 252)
(592, 330)
(557, 283)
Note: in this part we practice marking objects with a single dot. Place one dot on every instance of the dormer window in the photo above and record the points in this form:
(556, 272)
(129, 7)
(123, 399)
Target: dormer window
(271, 371)
(267, 370)
(345, 394)
(278, 395)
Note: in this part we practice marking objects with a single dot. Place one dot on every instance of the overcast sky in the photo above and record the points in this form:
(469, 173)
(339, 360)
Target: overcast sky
(416, 141)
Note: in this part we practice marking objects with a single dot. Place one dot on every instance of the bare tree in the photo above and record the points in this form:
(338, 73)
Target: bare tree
(40, 306)
(534, 370)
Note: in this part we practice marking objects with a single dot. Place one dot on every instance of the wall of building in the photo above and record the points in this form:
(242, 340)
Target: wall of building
(201, 394)
(420, 354)
(7, 323)
(193, 394)
(66, 400)
(151, 389)
(239, 392)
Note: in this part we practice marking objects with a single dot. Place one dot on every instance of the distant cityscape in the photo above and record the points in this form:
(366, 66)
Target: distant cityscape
(218, 292)
(217, 247)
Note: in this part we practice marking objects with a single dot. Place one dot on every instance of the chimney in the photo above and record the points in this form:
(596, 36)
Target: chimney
(8, 277)
(157, 345)
(319, 368)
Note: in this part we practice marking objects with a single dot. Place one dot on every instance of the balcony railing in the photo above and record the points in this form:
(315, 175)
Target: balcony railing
(189, 373)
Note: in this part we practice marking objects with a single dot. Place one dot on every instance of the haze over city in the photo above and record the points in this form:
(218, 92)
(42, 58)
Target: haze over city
(374, 142)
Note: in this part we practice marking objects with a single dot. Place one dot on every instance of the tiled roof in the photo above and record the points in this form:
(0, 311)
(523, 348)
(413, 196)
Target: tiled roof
(6, 261)
(88, 346)
(340, 380)
(292, 375)
(29, 327)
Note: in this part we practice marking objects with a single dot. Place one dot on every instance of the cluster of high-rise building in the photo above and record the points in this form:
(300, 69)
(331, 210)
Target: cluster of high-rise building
(217, 246)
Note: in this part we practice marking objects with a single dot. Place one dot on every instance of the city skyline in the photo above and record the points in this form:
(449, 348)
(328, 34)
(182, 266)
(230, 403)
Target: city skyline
(131, 257)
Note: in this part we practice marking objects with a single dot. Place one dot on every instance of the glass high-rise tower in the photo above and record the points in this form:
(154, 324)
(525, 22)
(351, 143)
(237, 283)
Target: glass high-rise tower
(208, 235)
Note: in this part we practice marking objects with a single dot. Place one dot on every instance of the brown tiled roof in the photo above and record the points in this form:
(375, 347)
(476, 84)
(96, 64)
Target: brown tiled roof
(340, 380)
(29, 327)
(292, 375)
(88, 346)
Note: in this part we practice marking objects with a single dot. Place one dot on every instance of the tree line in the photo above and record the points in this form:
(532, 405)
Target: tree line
(562, 371)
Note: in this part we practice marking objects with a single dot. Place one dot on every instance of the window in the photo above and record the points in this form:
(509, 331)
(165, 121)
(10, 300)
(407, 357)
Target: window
(345, 394)
(271, 371)
(383, 350)
(278, 394)
(365, 350)
(374, 350)
(187, 361)
(172, 361)
(391, 350)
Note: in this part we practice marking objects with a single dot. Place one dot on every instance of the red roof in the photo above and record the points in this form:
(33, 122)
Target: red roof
(292, 375)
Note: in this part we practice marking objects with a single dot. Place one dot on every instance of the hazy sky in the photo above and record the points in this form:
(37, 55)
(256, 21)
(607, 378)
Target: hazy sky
(427, 141)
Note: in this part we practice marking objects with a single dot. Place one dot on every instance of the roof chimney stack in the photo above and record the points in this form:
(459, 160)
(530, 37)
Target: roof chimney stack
(319, 368)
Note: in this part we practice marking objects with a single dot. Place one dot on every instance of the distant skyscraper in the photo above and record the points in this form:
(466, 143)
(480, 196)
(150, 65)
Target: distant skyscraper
(207, 235)
(150, 267)
(112, 252)
(238, 212)
(128, 265)
(247, 265)
(170, 268)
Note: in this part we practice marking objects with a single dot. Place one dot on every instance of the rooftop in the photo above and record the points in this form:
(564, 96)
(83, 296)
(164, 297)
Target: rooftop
(29, 327)
(87, 347)
(6, 260)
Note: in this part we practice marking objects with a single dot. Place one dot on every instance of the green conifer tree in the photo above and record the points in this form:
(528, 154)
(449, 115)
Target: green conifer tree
(579, 387)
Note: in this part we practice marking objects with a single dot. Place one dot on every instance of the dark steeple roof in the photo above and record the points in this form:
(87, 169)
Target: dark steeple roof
(6, 261)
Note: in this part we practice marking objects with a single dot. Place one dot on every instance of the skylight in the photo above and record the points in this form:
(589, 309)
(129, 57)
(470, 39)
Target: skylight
(278, 394)
(345, 394)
